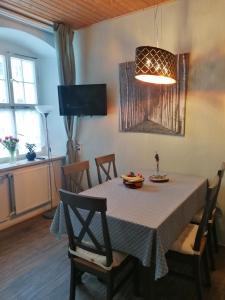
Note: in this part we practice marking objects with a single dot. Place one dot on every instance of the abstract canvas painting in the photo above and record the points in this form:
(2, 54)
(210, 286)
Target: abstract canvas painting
(153, 108)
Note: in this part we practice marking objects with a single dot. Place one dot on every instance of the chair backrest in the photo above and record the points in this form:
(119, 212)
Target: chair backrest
(220, 173)
(218, 178)
(73, 176)
(93, 206)
(211, 197)
(103, 164)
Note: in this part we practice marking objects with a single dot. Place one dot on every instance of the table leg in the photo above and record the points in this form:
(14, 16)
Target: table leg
(146, 282)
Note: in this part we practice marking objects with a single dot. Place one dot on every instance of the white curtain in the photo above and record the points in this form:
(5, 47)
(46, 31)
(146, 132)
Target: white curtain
(66, 66)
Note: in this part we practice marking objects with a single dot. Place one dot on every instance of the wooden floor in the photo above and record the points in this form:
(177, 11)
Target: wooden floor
(34, 266)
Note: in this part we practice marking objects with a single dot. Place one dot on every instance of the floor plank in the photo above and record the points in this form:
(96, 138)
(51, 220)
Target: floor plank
(34, 265)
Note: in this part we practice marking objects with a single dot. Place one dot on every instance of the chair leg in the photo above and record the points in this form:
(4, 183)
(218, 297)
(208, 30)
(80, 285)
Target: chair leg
(215, 236)
(72, 281)
(79, 277)
(109, 291)
(136, 279)
(198, 279)
(206, 268)
(210, 249)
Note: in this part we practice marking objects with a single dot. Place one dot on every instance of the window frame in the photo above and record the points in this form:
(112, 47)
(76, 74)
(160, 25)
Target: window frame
(11, 105)
(7, 76)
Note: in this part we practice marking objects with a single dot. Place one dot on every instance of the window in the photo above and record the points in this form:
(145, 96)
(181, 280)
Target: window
(18, 97)
(3, 81)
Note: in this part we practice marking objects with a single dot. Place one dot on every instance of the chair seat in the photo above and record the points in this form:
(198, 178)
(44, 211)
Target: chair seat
(185, 242)
(100, 260)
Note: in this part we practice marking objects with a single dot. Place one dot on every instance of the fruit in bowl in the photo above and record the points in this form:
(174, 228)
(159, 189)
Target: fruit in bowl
(133, 180)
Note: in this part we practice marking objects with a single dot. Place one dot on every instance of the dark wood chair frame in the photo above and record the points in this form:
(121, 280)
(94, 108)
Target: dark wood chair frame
(200, 244)
(79, 265)
(220, 174)
(73, 175)
(100, 164)
(212, 234)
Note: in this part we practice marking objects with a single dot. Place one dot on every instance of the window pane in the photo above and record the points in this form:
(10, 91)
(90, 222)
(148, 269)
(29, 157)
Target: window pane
(29, 125)
(28, 71)
(2, 67)
(3, 92)
(18, 92)
(3, 81)
(24, 81)
(30, 93)
(6, 129)
(16, 67)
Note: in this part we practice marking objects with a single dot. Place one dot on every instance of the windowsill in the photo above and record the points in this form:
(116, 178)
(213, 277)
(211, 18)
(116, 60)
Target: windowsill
(25, 163)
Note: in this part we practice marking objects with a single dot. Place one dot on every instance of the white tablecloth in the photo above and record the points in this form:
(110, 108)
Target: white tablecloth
(145, 222)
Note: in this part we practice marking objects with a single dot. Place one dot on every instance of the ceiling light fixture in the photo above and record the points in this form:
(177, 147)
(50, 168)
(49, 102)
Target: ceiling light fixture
(155, 65)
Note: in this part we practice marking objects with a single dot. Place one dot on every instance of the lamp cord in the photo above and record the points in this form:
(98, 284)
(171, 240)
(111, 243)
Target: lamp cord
(49, 158)
(156, 28)
(156, 23)
(50, 164)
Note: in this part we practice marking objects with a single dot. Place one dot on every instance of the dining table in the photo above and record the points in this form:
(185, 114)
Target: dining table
(144, 222)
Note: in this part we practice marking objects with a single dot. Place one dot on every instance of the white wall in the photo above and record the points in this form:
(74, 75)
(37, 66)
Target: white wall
(188, 26)
(25, 40)
(30, 30)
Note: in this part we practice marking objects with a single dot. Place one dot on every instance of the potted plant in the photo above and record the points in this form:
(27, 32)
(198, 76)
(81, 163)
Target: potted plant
(31, 153)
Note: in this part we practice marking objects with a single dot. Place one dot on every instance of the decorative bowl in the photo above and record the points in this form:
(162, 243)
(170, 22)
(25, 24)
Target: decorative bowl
(159, 178)
(134, 184)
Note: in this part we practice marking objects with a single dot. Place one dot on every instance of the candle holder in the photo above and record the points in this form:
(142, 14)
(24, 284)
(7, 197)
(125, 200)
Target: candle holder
(157, 163)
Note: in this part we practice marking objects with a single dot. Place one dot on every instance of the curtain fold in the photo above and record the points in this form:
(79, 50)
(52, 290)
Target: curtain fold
(67, 76)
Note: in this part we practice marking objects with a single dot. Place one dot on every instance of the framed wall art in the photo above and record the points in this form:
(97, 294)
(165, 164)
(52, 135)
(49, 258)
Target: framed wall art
(153, 108)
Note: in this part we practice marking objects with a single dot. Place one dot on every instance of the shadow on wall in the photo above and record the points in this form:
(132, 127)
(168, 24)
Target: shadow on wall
(207, 72)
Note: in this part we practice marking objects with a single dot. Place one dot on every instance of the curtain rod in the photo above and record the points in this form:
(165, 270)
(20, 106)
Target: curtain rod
(27, 19)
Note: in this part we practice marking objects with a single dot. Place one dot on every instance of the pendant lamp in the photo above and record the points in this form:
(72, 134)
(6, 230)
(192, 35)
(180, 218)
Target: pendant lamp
(155, 65)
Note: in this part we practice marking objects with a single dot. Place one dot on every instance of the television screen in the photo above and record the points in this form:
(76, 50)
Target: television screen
(82, 100)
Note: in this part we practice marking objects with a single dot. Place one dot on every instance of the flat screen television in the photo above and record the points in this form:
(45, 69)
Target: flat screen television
(82, 100)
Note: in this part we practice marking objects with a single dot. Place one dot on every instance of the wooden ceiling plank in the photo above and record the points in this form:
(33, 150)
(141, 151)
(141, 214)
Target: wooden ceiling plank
(28, 9)
(45, 9)
(91, 8)
(132, 5)
(58, 19)
(53, 18)
(154, 2)
(21, 12)
(112, 10)
(71, 10)
(77, 13)
(129, 6)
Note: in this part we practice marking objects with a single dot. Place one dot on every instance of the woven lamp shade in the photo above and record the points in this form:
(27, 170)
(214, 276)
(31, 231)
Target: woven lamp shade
(155, 65)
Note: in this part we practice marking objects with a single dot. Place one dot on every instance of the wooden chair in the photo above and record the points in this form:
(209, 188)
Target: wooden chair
(73, 176)
(94, 257)
(213, 241)
(103, 164)
(192, 242)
